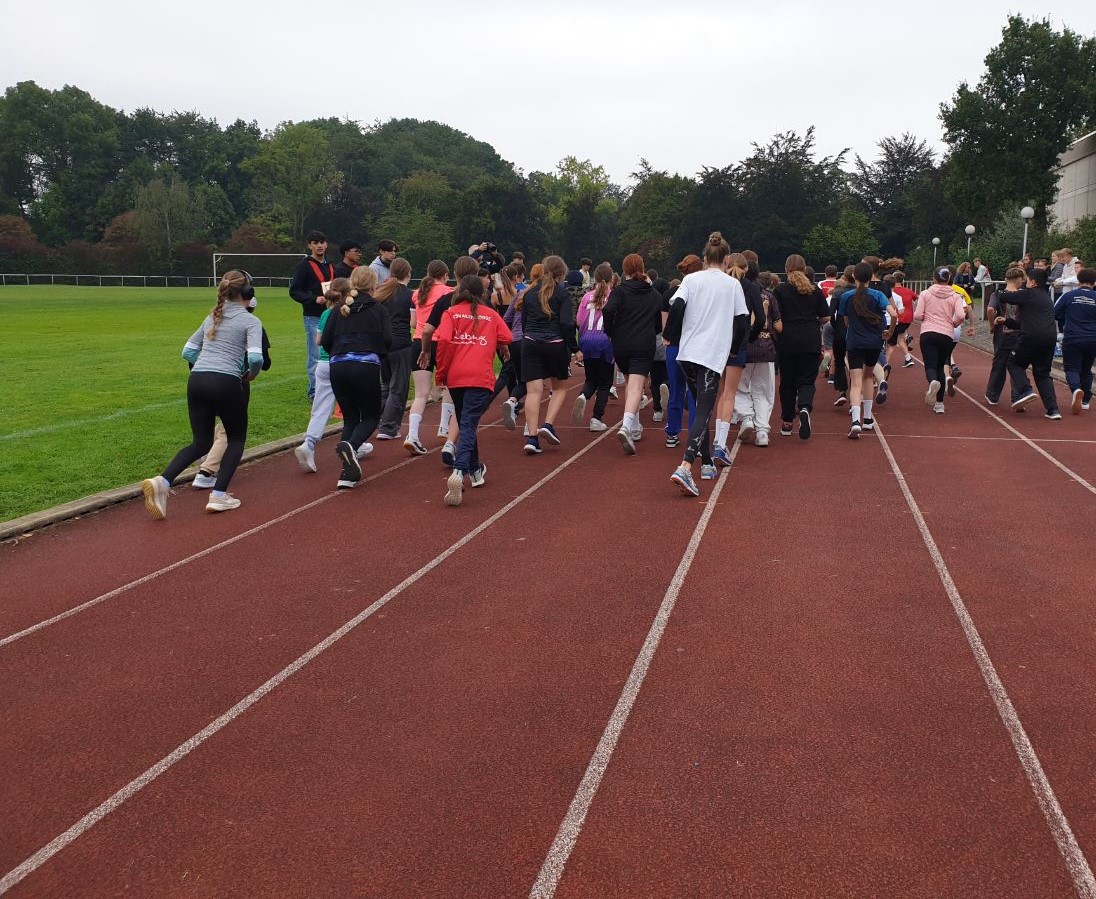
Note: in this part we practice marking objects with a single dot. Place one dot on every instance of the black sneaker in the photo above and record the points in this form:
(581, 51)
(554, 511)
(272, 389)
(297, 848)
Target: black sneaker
(349, 458)
(804, 424)
(672, 440)
(532, 446)
(548, 431)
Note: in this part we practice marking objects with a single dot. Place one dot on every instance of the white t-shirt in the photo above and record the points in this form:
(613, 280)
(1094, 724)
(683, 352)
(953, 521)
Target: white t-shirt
(713, 299)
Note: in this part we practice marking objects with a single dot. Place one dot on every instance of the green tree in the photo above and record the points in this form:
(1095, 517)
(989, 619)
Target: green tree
(1006, 134)
(653, 217)
(886, 189)
(846, 241)
(581, 207)
(169, 213)
(293, 174)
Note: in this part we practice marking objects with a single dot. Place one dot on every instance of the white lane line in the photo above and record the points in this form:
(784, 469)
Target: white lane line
(113, 416)
(1042, 452)
(135, 786)
(1074, 857)
(552, 870)
(174, 566)
(991, 439)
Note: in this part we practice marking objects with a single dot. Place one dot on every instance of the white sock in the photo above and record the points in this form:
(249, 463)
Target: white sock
(722, 432)
(631, 420)
(867, 409)
(447, 412)
(855, 415)
(217, 493)
(414, 420)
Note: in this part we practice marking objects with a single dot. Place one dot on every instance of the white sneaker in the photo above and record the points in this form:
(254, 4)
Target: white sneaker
(747, 431)
(637, 433)
(762, 438)
(930, 394)
(455, 488)
(618, 379)
(156, 492)
(657, 416)
(596, 424)
(365, 449)
(509, 414)
(627, 441)
(938, 408)
(479, 476)
(578, 411)
(734, 419)
(204, 481)
(644, 401)
(613, 393)
(382, 436)
(222, 503)
(664, 395)
(306, 457)
(448, 453)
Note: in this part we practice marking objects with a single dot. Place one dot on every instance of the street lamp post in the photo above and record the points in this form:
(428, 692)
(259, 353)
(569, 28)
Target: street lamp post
(935, 245)
(970, 229)
(1027, 214)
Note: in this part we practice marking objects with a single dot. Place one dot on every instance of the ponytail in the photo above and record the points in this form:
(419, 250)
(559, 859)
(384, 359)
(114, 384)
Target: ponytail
(555, 270)
(796, 268)
(603, 277)
(399, 269)
(436, 271)
(230, 288)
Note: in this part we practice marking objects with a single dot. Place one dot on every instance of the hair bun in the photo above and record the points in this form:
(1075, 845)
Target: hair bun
(715, 239)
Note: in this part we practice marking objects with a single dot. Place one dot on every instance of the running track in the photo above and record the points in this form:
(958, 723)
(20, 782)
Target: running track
(829, 676)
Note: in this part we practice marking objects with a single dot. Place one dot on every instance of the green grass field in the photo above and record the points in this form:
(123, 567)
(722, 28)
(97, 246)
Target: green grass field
(93, 393)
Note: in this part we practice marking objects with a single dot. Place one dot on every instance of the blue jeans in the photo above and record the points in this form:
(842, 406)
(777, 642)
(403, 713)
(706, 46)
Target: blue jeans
(469, 403)
(310, 324)
(675, 409)
(1077, 359)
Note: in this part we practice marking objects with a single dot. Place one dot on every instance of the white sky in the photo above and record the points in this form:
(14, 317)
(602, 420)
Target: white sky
(682, 83)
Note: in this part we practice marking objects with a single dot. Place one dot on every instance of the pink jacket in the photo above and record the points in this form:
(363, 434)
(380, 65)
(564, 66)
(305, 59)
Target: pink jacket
(940, 310)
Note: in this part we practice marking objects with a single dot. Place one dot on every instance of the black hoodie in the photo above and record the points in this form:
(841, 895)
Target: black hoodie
(367, 329)
(633, 316)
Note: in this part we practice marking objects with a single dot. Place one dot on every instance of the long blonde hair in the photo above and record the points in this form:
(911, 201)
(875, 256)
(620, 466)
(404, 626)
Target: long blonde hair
(796, 268)
(398, 269)
(230, 288)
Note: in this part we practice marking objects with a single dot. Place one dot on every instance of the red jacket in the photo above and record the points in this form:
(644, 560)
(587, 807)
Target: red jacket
(466, 345)
(908, 296)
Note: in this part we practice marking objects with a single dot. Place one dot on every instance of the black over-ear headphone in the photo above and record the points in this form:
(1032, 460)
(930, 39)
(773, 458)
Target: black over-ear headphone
(248, 290)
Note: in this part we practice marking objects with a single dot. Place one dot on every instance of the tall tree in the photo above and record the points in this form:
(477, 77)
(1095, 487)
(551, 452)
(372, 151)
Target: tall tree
(1006, 134)
(653, 217)
(886, 189)
(169, 213)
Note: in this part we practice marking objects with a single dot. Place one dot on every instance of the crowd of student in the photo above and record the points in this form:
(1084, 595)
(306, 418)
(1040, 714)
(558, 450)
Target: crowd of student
(724, 341)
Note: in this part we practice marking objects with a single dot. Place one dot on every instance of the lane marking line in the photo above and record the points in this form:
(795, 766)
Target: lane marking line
(135, 786)
(998, 439)
(1074, 857)
(554, 863)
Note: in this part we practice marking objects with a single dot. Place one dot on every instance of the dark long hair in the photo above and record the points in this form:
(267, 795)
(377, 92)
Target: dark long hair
(860, 300)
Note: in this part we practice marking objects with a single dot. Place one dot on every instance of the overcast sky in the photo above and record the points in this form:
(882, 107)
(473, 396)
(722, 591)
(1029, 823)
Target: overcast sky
(683, 83)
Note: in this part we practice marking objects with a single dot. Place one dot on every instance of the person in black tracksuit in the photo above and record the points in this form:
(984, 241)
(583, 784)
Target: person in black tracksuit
(357, 337)
(1005, 340)
(799, 347)
(633, 318)
(1035, 348)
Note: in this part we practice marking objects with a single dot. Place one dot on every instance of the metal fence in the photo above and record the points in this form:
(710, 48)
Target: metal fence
(127, 280)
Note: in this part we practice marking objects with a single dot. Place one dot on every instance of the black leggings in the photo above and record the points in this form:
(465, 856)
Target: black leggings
(357, 388)
(658, 378)
(599, 380)
(936, 353)
(512, 379)
(703, 383)
(211, 395)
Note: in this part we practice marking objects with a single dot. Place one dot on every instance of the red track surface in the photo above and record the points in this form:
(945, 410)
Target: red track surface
(813, 721)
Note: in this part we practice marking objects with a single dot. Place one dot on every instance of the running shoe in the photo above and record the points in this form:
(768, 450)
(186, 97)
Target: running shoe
(381, 435)
(532, 446)
(664, 395)
(887, 372)
(938, 408)
(868, 424)
(956, 373)
(613, 393)
(909, 340)
(785, 429)
(479, 476)
(762, 438)
(448, 454)
(683, 477)
(443, 433)
(841, 400)
(365, 449)
(672, 440)
(156, 492)
(949, 385)
(804, 424)
(1075, 406)
(548, 431)
(637, 434)
(455, 488)
(223, 503)
(578, 411)
(908, 362)
(644, 401)
(720, 456)
(747, 431)
(930, 394)
(656, 415)
(854, 431)
(708, 472)
(349, 459)
(627, 441)
(414, 447)
(1053, 415)
(1023, 400)
(881, 394)
(203, 480)
(992, 402)
(509, 415)
(596, 424)
(306, 457)
(1085, 406)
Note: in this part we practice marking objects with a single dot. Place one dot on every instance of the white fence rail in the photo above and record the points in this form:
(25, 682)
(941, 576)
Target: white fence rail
(127, 280)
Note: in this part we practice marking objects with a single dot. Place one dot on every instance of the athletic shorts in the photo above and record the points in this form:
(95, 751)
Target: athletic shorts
(634, 362)
(861, 358)
(827, 336)
(540, 360)
(737, 360)
(900, 328)
(416, 348)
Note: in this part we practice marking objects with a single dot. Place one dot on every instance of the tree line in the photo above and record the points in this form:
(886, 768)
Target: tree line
(90, 188)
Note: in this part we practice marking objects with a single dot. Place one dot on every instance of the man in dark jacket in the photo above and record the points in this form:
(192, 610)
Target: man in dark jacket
(311, 278)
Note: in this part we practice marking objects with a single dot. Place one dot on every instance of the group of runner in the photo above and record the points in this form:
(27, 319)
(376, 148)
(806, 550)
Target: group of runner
(712, 344)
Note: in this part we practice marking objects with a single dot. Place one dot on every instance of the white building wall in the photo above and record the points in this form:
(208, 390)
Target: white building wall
(1076, 183)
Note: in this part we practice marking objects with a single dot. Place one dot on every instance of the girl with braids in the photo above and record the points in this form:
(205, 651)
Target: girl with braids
(357, 336)
(863, 309)
(469, 335)
(940, 310)
(549, 340)
(799, 348)
(431, 289)
(227, 347)
(447, 424)
(396, 367)
(713, 328)
(595, 350)
(633, 317)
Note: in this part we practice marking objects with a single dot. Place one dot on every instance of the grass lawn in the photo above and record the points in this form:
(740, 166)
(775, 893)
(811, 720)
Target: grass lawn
(93, 393)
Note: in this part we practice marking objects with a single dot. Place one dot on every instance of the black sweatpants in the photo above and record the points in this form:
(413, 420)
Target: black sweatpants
(797, 375)
(1003, 345)
(395, 383)
(1039, 355)
(840, 370)
(357, 388)
(211, 395)
(936, 353)
(703, 383)
(658, 378)
(599, 380)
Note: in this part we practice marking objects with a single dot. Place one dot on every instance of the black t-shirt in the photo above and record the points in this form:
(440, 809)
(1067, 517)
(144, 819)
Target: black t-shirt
(399, 311)
(800, 313)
